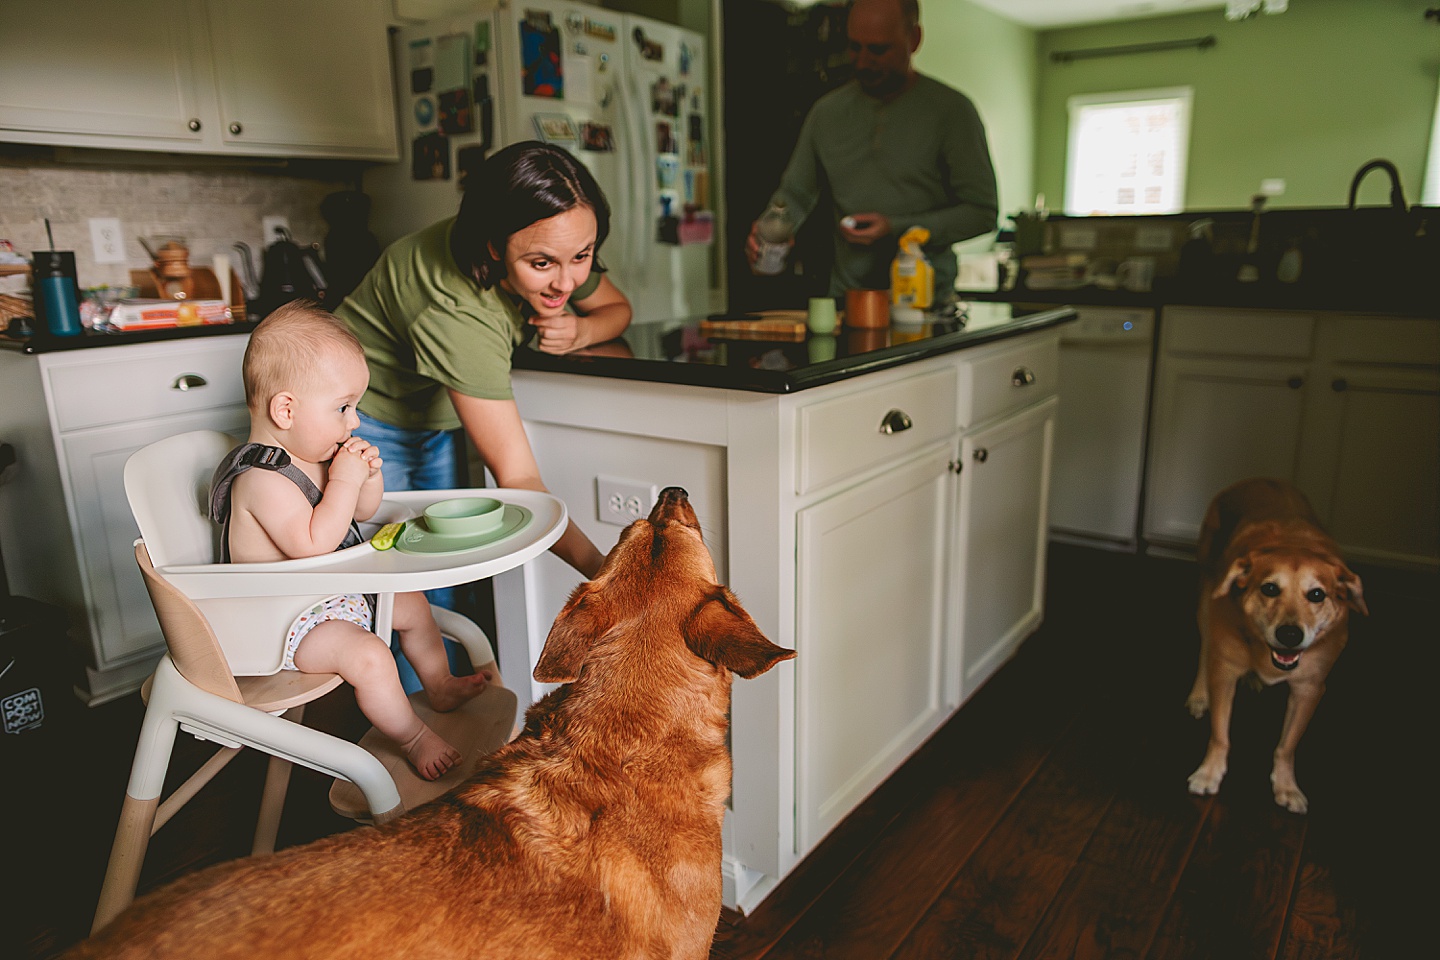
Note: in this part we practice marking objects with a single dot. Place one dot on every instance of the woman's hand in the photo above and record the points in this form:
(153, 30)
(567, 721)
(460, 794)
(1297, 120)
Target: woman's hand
(557, 334)
(602, 316)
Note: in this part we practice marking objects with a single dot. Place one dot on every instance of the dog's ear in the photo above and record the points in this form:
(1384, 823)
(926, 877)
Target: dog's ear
(1237, 576)
(586, 616)
(720, 631)
(1354, 590)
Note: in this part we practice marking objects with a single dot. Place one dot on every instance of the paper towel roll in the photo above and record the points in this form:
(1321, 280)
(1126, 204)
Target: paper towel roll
(221, 265)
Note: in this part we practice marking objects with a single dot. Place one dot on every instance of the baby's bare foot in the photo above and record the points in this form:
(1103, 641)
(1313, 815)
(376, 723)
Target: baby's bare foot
(454, 691)
(429, 754)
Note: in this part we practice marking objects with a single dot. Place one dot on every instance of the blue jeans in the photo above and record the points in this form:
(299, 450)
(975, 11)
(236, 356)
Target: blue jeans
(414, 459)
(417, 460)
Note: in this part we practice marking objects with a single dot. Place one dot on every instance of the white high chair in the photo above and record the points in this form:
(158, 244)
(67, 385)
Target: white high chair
(224, 627)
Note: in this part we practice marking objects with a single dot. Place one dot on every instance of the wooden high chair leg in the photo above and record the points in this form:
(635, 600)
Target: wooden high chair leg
(127, 855)
(272, 798)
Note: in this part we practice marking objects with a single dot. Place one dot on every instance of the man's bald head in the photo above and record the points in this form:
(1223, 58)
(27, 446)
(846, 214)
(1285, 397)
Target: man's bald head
(883, 36)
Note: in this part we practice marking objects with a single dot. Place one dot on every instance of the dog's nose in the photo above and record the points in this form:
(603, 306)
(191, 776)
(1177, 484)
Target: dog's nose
(1289, 634)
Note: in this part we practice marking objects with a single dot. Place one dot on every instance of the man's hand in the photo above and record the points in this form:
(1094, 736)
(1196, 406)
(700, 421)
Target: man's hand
(863, 229)
(752, 244)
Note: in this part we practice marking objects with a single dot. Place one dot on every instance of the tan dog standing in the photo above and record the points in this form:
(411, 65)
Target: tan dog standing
(595, 834)
(1275, 599)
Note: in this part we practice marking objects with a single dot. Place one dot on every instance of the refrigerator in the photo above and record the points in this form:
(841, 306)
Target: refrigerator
(624, 94)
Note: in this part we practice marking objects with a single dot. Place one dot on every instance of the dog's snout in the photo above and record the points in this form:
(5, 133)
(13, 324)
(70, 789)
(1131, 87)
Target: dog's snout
(1289, 634)
(672, 501)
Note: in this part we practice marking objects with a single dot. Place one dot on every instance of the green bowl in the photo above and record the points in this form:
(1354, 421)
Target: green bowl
(465, 516)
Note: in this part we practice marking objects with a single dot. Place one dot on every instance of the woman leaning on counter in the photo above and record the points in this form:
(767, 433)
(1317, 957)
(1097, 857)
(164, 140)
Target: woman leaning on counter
(444, 309)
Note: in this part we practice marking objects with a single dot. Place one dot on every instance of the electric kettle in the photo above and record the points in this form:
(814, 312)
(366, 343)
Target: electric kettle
(288, 273)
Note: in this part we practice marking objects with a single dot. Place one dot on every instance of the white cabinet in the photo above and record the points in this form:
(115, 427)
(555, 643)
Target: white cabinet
(1346, 406)
(837, 516)
(871, 590)
(74, 418)
(1370, 461)
(1000, 538)
(303, 78)
(1218, 421)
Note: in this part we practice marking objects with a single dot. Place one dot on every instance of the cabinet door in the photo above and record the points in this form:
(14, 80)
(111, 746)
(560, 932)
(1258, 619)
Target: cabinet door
(1217, 421)
(51, 54)
(1000, 542)
(122, 621)
(308, 78)
(1373, 461)
(870, 614)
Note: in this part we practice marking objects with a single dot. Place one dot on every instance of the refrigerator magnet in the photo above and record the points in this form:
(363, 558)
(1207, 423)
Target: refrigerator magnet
(422, 66)
(601, 31)
(430, 157)
(555, 128)
(455, 114)
(424, 112)
(542, 72)
(597, 137)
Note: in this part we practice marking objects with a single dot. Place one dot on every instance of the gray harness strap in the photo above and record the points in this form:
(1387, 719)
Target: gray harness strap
(257, 455)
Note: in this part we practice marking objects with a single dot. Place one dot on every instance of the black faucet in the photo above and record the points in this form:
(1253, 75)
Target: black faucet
(1397, 196)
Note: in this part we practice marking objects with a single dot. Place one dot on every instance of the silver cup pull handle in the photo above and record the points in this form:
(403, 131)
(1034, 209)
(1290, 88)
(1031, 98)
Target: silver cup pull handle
(188, 381)
(895, 421)
(1022, 377)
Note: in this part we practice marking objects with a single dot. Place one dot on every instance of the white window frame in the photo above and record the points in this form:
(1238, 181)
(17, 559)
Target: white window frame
(1180, 96)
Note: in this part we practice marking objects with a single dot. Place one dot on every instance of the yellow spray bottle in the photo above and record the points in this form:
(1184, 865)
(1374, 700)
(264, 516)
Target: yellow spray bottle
(912, 279)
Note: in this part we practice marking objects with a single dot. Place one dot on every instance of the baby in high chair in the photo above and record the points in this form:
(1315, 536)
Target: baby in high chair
(296, 489)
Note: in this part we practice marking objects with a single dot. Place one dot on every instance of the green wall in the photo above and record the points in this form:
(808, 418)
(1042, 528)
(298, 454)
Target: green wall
(1308, 96)
(992, 61)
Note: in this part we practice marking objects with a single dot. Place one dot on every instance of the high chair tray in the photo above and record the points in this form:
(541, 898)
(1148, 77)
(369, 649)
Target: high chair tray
(363, 569)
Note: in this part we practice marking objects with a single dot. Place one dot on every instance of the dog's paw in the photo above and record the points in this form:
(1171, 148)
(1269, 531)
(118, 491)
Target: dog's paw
(1198, 704)
(1289, 795)
(1205, 781)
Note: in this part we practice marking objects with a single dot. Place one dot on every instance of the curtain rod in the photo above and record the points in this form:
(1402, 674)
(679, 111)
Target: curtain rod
(1199, 43)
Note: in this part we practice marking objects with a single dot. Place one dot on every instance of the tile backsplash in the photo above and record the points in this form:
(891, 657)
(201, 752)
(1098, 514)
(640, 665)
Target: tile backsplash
(212, 207)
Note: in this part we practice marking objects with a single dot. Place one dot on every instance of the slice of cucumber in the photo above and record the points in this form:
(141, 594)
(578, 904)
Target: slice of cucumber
(385, 537)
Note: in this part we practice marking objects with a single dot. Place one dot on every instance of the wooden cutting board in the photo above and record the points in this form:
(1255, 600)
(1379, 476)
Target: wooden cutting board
(773, 325)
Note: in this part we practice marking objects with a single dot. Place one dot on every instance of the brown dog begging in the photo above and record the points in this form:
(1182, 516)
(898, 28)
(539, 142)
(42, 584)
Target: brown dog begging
(595, 833)
(1275, 600)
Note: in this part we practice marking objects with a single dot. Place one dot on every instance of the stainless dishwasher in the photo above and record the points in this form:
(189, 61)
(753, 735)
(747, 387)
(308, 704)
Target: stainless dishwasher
(1105, 369)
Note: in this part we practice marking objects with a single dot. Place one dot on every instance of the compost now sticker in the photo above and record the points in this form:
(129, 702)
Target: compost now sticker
(23, 710)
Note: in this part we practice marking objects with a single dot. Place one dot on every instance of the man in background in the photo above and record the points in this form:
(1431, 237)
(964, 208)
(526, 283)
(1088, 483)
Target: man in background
(896, 149)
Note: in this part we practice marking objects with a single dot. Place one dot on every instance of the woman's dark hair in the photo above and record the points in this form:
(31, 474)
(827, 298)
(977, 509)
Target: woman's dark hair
(513, 188)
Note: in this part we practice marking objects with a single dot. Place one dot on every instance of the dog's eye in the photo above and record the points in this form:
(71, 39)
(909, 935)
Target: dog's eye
(1316, 596)
(1270, 588)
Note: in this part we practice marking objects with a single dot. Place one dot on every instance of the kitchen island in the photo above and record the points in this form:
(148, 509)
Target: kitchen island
(877, 500)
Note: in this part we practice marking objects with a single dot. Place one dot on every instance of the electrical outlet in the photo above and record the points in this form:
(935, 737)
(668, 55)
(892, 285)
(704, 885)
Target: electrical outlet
(107, 239)
(622, 501)
(270, 225)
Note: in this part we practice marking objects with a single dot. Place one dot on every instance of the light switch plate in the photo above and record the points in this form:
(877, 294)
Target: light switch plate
(107, 239)
(1272, 186)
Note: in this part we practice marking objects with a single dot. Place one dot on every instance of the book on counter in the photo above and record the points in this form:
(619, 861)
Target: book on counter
(141, 314)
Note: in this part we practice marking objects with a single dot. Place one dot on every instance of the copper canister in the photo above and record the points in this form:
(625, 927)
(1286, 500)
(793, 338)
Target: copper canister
(867, 309)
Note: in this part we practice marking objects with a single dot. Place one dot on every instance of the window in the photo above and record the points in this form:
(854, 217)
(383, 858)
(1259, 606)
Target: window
(1127, 152)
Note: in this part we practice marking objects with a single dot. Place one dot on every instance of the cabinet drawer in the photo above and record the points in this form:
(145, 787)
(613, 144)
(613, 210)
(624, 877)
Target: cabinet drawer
(846, 435)
(1011, 378)
(123, 384)
(1246, 333)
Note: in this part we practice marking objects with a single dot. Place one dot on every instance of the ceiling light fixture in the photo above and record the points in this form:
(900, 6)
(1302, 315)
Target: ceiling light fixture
(1245, 9)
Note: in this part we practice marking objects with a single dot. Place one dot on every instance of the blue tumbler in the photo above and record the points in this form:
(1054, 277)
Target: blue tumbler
(57, 294)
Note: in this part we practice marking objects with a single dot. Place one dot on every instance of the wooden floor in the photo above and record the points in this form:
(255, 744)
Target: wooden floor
(1048, 818)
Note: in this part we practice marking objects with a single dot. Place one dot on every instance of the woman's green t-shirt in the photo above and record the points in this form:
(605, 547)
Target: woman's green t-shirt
(426, 327)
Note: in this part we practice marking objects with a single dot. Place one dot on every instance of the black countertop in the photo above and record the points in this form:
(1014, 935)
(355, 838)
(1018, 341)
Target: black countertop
(94, 338)
(1409, 300)
(674, 351)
